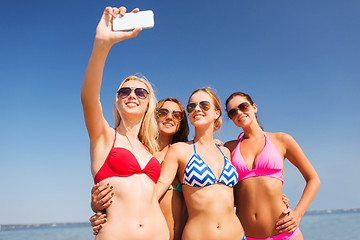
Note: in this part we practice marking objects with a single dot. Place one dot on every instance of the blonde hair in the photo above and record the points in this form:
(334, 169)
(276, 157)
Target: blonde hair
(149, 129)
(215, 101)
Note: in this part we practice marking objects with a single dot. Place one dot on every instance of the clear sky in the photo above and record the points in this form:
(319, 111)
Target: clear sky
(299, 60)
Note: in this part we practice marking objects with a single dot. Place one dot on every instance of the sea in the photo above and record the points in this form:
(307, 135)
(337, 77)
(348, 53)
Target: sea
(317, 225)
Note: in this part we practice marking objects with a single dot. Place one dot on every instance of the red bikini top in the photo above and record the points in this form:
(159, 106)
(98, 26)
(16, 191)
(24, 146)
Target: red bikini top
(120, 162)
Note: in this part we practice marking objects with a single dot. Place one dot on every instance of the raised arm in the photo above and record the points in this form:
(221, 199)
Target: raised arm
(105, 38)
(297, 157)
(169, 169)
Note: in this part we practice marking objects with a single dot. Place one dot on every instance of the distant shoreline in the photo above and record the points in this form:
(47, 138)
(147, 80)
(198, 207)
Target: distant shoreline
(49, 225)
(41, 225)
(329, 211)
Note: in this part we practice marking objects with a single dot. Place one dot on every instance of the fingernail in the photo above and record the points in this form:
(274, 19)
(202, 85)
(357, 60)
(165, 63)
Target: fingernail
(111, 201)
(107, 184)
(111, 187)
(112, 194)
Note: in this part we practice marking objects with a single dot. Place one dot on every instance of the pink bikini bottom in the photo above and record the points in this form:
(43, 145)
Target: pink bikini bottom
(281, 236)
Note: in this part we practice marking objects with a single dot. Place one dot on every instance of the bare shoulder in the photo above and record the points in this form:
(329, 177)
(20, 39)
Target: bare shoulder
(105, 138)
(281, 137)
(180, 148)
(231, 145)
(226, 151)
(179, 151)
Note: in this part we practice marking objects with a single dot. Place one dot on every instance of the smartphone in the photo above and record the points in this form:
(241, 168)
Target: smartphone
(142, 19)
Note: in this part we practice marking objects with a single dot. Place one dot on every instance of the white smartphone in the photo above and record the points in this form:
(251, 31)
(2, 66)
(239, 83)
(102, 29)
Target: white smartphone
(142, 19)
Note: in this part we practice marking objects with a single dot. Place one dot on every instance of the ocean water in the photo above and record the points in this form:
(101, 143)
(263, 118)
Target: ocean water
(48, 233)
(321, 226)
(344, 226)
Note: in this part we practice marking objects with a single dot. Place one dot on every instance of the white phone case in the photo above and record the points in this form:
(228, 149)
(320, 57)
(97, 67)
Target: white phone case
(142, 19)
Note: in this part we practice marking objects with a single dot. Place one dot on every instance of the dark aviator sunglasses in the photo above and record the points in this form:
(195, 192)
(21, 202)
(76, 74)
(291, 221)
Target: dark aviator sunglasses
(124, 92)
(204, 105)
(243, 107)
(164, 112)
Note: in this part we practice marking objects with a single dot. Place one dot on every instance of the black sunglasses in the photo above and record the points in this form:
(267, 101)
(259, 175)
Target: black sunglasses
(204, 105)
(126, 91)
(244, 107)
(164, 112)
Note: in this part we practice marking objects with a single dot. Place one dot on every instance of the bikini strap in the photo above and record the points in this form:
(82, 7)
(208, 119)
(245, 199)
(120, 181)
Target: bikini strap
(114, 139)
(240, 136)
(266, 136)
(194, 146)
(220, 151)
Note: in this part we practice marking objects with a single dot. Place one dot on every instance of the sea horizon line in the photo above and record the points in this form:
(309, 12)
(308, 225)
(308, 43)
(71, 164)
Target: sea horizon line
(69, 224)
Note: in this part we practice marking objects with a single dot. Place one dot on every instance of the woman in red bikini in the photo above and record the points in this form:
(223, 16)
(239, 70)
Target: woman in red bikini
(173, 127)
(259, 160)
(122, 157)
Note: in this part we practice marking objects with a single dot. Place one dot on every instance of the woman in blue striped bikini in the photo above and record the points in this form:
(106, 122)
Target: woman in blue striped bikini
(206, 174)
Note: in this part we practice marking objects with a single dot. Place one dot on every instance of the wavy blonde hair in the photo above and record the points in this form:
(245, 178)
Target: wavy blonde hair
(149, 129)
(215, 100)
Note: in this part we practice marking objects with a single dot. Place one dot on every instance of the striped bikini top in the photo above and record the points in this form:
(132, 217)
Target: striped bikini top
(198, 174)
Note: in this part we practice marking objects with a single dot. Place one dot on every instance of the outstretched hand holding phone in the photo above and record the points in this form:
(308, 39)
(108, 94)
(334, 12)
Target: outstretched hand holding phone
(104, 31)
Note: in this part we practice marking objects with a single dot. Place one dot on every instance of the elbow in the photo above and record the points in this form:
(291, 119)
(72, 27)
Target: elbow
(83, 96)
(316, 182)
(319, 182)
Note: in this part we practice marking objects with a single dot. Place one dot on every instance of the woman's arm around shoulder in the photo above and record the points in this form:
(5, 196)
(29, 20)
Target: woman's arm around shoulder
(296, 156)
(231, 145)
(169, 167)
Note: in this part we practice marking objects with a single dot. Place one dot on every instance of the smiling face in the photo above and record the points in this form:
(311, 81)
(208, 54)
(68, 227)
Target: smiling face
(202, 115)
(245, 115)
(133, 104)
(169, 124)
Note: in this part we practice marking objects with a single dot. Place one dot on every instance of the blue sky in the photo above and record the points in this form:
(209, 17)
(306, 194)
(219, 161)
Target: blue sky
(299, 60)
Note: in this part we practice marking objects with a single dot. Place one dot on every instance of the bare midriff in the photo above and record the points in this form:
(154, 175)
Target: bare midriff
(135, 212)
(259, 205)
(211, 213)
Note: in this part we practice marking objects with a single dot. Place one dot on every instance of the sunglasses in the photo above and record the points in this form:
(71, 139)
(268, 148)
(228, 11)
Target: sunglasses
(124, 92)
(163, 112)
(243, 107)
(204, 105)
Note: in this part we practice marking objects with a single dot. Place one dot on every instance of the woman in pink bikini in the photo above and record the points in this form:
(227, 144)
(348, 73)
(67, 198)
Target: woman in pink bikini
(259, 160)
(122, 156)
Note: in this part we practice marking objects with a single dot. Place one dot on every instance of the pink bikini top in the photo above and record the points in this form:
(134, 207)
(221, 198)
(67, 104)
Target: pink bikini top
(120, 162)
(269, 163)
